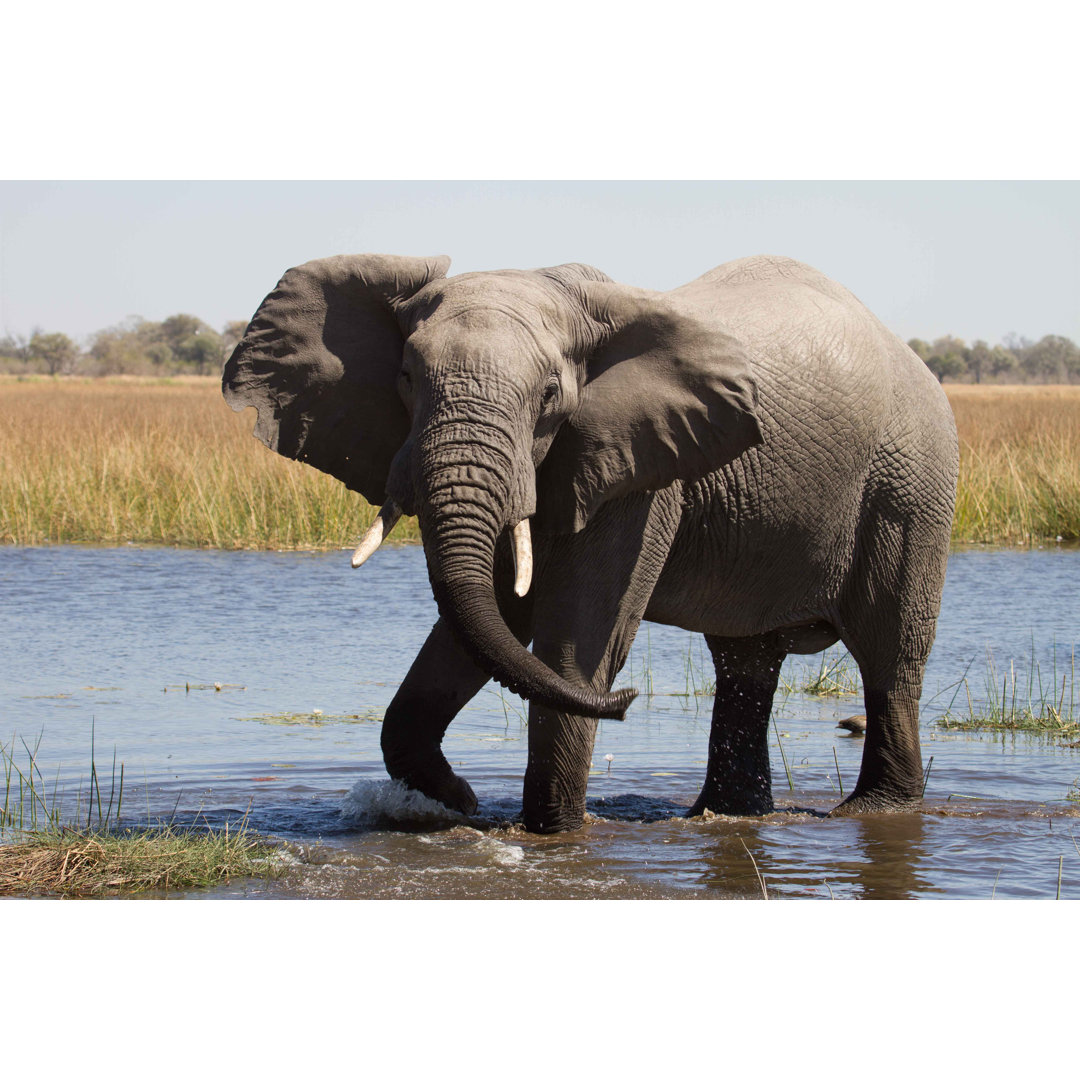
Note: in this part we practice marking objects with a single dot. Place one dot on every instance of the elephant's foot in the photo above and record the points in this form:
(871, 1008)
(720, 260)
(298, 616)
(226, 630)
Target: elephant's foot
(877, 801)
(435, 779)
(552, 822)
(457, 794)
(552, 815)
(733, 803)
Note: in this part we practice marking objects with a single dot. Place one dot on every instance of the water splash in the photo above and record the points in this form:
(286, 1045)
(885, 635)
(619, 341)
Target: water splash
(390, 802)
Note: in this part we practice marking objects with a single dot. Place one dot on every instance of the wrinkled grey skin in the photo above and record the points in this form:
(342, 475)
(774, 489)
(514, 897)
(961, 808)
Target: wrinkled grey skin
(752, 456)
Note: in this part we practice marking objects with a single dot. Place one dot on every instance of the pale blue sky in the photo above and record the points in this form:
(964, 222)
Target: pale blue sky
(975, 259)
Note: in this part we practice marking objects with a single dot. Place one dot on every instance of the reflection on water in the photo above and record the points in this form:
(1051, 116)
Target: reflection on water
(254, 683)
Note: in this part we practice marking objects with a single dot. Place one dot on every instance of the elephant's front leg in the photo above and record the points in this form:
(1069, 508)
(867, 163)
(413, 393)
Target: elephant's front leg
(592, 589)
(560, 749)
(441, 681)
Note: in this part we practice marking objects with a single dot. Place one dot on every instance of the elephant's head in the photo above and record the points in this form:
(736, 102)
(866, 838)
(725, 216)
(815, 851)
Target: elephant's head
(480, 401)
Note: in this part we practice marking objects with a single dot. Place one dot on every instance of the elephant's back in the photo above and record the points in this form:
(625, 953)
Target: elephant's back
(815, 346)
(758, 268)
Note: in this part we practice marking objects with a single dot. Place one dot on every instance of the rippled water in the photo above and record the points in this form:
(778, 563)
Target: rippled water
(129, 643)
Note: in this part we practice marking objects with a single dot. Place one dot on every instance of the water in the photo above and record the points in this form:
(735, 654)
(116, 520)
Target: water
(231, 683)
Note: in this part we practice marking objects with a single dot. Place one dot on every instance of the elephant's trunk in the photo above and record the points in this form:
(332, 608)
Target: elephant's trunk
(461, 516)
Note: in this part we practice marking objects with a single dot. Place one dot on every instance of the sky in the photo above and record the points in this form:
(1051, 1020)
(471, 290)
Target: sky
(977, 259)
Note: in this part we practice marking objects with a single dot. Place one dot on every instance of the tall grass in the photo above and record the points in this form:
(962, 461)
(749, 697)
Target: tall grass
(1019, 463)
(167, 462)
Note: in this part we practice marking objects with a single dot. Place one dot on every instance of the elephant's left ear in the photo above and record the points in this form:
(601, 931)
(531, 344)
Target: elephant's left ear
(670, 395)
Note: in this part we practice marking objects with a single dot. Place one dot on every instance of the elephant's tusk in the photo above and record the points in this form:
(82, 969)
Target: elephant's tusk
(523, 563)
(380, 529)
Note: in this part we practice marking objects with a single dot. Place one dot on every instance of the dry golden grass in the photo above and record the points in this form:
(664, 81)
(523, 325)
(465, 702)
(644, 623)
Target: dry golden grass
(161, 462)
(1019, 462)
(167, 462)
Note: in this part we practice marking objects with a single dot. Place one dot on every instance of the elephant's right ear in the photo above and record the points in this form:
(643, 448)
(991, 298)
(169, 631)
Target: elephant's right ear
(319, 362)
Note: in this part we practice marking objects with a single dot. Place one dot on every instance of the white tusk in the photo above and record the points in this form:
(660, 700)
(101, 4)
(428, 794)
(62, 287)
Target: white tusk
(380, 529)
(522, 557)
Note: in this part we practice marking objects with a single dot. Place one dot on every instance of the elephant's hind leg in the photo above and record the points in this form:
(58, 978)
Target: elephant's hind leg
(738, 780)
(889, 620)
(891, 776)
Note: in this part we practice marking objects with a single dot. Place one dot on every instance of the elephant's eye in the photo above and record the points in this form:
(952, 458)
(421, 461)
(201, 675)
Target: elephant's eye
(551, 392)
(405, 377)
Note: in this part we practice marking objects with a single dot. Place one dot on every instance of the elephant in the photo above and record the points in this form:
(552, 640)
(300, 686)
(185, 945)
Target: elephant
(752, 456)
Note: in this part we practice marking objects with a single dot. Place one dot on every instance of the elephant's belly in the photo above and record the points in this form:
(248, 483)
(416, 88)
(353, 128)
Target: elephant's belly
(737, 590)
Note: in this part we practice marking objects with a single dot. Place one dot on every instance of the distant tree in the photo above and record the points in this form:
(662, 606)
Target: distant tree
(160, 355)
(123, 349)
(15, 346)
(55, 352)
(201, 351)
(176, 329)
(231, 335)
(948, 358)
(192, 342)
(1016, 343)
(920, 348)
(1053, 358)
(979, 359)
(1002, 361)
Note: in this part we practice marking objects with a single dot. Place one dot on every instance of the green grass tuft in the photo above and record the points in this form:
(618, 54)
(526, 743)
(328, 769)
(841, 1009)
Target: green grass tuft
(49, 848)
(1028, 703)
(836, 675)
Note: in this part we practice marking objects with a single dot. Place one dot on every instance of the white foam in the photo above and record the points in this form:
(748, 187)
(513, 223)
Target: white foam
(373, 801)
(502, 854)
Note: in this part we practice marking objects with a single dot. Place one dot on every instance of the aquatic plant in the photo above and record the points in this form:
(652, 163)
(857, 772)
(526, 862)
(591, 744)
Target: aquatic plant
(836, 675)
(1023, 703)
(46, 846)
(316, 718)
(783, 756)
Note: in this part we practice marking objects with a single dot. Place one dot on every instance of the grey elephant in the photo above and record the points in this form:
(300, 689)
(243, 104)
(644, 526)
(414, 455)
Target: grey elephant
(752, 456)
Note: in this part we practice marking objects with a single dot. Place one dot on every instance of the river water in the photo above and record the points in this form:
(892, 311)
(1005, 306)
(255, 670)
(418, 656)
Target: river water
(249, 682)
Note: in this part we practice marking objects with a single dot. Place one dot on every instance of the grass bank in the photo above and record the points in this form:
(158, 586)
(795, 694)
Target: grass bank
(166, 462)
(81, 863)
(50, 847)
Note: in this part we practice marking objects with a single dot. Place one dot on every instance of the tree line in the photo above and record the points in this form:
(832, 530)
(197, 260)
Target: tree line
(1051, 359)
(184, 344)
(178, 345)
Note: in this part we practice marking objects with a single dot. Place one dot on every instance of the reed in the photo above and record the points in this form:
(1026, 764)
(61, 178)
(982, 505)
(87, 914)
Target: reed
(836, 675)
(165, 461)
(1019, 463)
(1034, 701)
(111, 461)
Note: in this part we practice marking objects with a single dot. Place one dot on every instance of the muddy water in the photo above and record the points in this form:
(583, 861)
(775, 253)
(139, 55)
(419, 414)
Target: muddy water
(249, 682)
